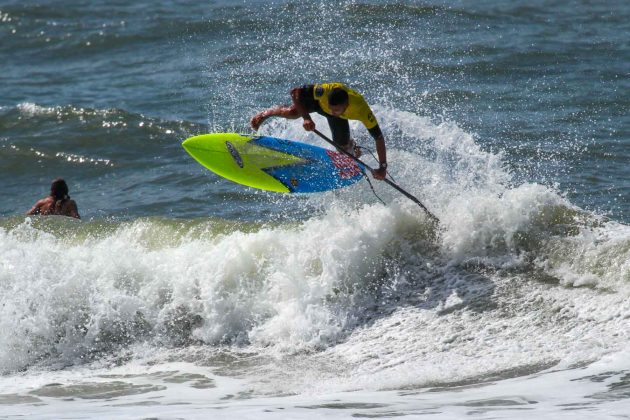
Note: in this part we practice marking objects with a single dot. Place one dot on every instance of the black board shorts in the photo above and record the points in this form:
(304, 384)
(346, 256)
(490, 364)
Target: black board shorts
(339, 127)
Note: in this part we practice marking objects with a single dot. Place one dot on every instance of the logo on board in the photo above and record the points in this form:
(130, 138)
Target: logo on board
(345, 165)
(235, 155)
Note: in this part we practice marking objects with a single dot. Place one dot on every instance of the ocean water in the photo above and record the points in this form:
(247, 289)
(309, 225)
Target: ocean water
(182, 295)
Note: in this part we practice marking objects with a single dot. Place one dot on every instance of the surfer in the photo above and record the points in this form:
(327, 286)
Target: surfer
(338, 103)
(57, 203)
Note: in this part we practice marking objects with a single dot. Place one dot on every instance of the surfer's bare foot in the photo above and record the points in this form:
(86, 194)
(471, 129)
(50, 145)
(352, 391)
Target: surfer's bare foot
(257, 120)
(353, 149)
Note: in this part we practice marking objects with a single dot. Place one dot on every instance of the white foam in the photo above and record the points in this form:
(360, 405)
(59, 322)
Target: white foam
(269, 287)
(30, 109)
(354, 298)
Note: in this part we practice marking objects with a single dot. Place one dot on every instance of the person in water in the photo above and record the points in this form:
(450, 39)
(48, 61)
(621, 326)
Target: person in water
(338, 103)
(57, 203)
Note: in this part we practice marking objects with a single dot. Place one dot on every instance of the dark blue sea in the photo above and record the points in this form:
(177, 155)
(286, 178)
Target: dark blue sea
(180, 294)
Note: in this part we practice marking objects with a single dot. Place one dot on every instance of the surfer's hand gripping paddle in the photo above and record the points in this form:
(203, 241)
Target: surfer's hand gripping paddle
(392, 184)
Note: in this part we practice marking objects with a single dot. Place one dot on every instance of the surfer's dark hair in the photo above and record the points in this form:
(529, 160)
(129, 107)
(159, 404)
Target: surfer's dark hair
(59, 189)
(338, 96)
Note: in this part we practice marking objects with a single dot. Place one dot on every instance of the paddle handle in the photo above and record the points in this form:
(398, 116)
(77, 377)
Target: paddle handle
(390, 183)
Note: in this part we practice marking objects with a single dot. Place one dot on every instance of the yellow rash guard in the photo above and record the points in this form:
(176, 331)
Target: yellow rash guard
(357, 109)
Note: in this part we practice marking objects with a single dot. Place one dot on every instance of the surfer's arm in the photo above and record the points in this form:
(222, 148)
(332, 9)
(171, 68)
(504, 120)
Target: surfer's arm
(381, 151)
(300, 107)
(366, 116)
(36, 209)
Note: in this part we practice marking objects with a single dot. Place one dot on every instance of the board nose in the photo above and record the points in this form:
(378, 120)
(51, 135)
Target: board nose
(190, 143)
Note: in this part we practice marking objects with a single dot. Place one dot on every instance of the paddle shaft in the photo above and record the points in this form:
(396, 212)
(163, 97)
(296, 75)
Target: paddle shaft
(392, 184)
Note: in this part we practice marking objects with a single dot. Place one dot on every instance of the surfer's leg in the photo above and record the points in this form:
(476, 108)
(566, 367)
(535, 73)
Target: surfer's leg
(288, 112)
(340, 129)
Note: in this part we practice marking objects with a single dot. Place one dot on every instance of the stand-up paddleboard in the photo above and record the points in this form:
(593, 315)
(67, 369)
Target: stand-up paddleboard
(273, 164)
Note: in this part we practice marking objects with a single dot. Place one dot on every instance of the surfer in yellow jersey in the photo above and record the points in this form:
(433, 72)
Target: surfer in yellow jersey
(57, 203)
(338, 103)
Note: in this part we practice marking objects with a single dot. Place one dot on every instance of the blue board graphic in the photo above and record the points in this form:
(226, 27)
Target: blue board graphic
(274, 164)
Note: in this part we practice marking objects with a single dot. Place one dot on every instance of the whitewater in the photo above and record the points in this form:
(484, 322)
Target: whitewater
(360, 309)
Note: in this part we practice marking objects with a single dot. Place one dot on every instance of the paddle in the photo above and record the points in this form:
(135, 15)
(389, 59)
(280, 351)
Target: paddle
(405, 193)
